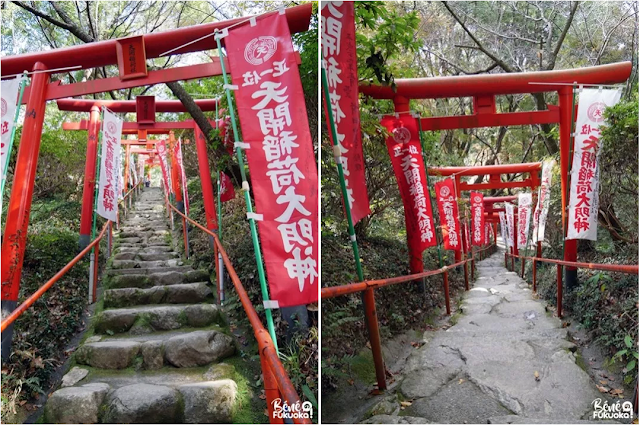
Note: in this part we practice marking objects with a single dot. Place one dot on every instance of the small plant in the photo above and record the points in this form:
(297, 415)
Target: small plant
(630, 355)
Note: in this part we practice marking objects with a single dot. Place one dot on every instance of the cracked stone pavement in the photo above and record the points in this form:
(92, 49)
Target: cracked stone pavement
(483, 369)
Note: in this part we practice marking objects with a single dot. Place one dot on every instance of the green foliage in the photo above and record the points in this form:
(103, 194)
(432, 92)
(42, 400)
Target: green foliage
(385, 34)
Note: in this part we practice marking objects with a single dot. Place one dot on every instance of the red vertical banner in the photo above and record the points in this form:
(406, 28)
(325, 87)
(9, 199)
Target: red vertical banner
(177, 151)
(227, 191)
(449, 219)
(338, 42)
(279, 150)
(161, 148)
(478, 231)
(404, 149)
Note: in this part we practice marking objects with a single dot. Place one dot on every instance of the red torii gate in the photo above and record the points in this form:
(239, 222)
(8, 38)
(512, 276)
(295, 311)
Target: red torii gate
(145, 108)
(130, 54)
(484, 87)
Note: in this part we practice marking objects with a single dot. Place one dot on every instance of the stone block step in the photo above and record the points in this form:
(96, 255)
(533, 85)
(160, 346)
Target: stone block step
(140, 264)
(149, 267)
(197, 402)
(184, 350)
(145, 319)
(145, 255)
(143, 280)
(171, 294)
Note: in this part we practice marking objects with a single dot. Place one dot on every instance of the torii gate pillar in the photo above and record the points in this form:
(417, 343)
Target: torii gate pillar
(90, 177)
(565, 97)
(15, 232)
(401, 105)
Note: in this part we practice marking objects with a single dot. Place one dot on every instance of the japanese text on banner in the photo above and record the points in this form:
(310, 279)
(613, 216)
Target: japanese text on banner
(283, 170)
(477, 219)
(9, 92)
(161, 148)
(524, 214)
(508, 208)
(542, 205)
(585, 172)
(339, 60)
(109, 185)
(405, 151)
(183, 176)
(449, 218)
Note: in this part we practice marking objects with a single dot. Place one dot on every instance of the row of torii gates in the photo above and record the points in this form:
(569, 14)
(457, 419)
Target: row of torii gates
(483, 89)
(130, 56)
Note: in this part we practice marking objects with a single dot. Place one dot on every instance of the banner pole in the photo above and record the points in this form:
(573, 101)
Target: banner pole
(343, 185)
(428, 185)
(368, 297)
(570, 164)
(23, 84)
(93, 264)
(247, 199)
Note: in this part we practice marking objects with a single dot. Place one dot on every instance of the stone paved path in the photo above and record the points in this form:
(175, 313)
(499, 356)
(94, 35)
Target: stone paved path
(155, 354)
(506, 360)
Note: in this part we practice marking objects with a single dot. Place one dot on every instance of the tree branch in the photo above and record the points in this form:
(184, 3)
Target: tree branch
(554, 55)
(491, 55)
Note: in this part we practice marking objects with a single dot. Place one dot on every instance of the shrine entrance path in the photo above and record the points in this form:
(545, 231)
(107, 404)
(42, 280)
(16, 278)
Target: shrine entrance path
(506, 360)
(158, 345)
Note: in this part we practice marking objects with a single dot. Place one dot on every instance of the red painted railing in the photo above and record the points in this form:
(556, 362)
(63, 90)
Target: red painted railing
(277, 384)
(368, 287)
(44, 288)
(619, 268)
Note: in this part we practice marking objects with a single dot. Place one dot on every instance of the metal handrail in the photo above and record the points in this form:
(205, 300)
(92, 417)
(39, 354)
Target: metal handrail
(33, 298)
(368, 287)
(278, 382)
(44, 288)
(619, 268)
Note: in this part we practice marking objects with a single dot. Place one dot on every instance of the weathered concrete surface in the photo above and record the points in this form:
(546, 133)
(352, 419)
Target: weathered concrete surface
(505, 356)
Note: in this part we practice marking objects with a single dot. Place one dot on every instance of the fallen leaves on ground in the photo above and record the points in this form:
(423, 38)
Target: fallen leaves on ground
(602, 389)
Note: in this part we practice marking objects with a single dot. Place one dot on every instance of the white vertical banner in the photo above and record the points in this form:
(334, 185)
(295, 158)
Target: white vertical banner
(524, 215)
(503, 229)
(510, 224)
(108, 188)
(132, 171)
(542, 205)
(120, 165)
(583, 192)
(9, 91)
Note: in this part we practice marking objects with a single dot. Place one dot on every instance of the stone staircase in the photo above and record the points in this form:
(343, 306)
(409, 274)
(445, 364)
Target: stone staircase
(156, 345)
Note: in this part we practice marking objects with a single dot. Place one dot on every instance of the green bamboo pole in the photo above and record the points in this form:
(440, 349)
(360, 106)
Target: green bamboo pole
(218, 183)
(23, 84)
(435, 228)
(247, 199)
(343, 185)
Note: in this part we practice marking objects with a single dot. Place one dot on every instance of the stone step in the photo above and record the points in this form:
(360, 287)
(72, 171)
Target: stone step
(171, 294)
(142, 233)
(149, 267)
(145, 256)
(162, 396)
(145, 319)
(140, 264)
(184, 350)
(148, 280)
(135, 248)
